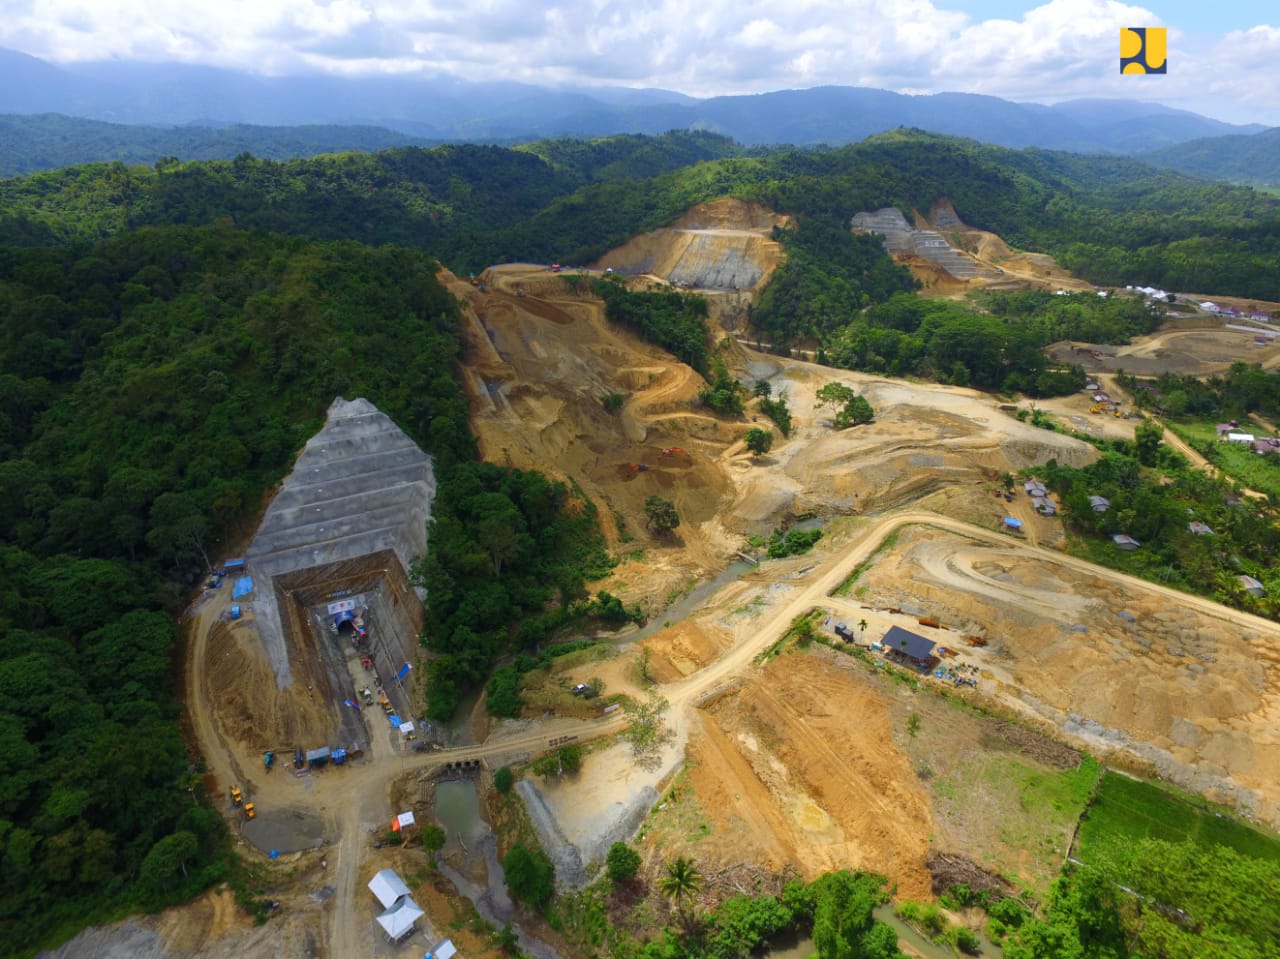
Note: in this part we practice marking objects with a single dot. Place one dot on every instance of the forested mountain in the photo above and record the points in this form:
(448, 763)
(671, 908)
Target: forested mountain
(173, 332)
(1253, 159)
(1111, 219)
(444, 108)
(48, 141)
(155, 385)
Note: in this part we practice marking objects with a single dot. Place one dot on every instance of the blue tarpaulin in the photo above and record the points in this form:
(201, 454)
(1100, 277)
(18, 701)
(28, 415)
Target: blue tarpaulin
(243, 587)
(395, 720)
(1012, 523)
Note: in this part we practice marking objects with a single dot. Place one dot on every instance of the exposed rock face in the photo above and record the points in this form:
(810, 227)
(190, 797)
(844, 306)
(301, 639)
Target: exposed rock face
(720, 246)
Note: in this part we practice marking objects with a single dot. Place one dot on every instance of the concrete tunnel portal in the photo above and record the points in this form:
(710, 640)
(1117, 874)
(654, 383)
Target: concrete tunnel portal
(330, 561)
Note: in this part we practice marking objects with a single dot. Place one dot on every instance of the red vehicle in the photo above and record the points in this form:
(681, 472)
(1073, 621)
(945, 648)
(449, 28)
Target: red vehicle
(555, 267)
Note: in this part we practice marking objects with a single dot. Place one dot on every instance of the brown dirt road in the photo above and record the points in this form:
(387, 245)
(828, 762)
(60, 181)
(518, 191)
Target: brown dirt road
(353, 804)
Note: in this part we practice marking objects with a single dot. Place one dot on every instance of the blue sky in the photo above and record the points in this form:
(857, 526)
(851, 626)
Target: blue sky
(1203, 17)
(1224, 56)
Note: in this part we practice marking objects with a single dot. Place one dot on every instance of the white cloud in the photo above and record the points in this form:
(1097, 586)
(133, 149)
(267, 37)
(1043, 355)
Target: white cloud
(1058, 50)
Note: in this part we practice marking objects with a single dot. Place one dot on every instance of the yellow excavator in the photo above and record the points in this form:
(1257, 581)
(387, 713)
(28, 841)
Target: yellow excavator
(237, 797)
(249, 811)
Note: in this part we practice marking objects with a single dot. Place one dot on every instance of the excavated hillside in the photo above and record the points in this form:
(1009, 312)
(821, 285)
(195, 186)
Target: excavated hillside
(951, 258)
(541, 358)
(723, 249)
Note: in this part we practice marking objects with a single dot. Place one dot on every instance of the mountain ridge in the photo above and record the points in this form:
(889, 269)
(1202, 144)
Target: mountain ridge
(441, 107)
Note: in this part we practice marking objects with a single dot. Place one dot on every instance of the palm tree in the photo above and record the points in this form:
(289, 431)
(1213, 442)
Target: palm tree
(862, 626)
(681, 882)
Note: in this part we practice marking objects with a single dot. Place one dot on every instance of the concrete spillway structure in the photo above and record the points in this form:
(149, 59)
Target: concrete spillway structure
(349, 521)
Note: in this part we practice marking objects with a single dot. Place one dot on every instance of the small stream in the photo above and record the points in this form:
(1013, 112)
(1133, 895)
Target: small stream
(690, 603)
(469, 839)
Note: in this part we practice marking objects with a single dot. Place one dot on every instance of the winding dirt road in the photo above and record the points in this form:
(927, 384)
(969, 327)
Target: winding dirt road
(355, 805)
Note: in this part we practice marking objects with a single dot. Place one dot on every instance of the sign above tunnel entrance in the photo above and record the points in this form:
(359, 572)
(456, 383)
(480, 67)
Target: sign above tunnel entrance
(341, 606)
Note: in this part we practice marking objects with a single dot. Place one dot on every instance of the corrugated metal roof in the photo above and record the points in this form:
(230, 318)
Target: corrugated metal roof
(905, 641)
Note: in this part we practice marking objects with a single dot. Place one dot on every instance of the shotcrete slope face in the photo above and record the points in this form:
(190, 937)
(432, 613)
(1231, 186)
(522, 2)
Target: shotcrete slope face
(357, 501)
(719, 246)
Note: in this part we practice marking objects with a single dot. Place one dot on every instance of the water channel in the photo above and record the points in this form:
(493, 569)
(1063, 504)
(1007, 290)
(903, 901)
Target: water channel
(471, 849)
(690, 603)
(470, 839)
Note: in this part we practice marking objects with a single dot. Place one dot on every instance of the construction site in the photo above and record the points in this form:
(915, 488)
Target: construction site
(801, 762)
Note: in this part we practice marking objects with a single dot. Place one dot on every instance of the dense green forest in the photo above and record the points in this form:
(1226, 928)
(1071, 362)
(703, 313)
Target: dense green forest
(155, 385)
(1248, 158)
(1153, 496)
(1111, 219)
(1139, 899)
(1241, 390)
(997, 347)
(50, 141)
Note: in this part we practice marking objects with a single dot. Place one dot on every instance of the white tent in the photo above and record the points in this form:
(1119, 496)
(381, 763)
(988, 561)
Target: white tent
(399, 920)
(388, 887)
(443, 950)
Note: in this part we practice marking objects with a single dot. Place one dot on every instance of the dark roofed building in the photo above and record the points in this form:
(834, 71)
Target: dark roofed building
(909, 644)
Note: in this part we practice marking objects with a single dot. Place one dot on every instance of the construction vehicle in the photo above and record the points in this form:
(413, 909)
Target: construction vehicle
(555, 267)
(249, 811)
(267, 759)
(367, 662)
(385, 704)
(236, 796)
(367, 693)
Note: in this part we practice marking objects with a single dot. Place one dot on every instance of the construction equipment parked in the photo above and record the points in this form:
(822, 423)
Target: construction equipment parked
(249, 811)
(236, 796)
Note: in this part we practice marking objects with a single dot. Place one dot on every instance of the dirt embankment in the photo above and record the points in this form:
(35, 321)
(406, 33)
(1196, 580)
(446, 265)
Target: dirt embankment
(724, 245)
(799, 767)
(924, 438)
(1195, 696)
(538, 373)
(1001, 268)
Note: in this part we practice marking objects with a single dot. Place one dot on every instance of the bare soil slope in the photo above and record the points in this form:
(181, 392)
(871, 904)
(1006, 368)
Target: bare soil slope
(1010, 269)
(1196, 696)
(798, 766)
(717, 246)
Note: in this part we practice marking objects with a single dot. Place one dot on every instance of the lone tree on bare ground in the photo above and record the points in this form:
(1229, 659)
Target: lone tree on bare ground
(759, 441)
(660, 514)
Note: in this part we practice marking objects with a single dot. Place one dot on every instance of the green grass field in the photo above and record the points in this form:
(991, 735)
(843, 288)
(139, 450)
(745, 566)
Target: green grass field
(1010, 813)
(1237, 461)
(1125, 808)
